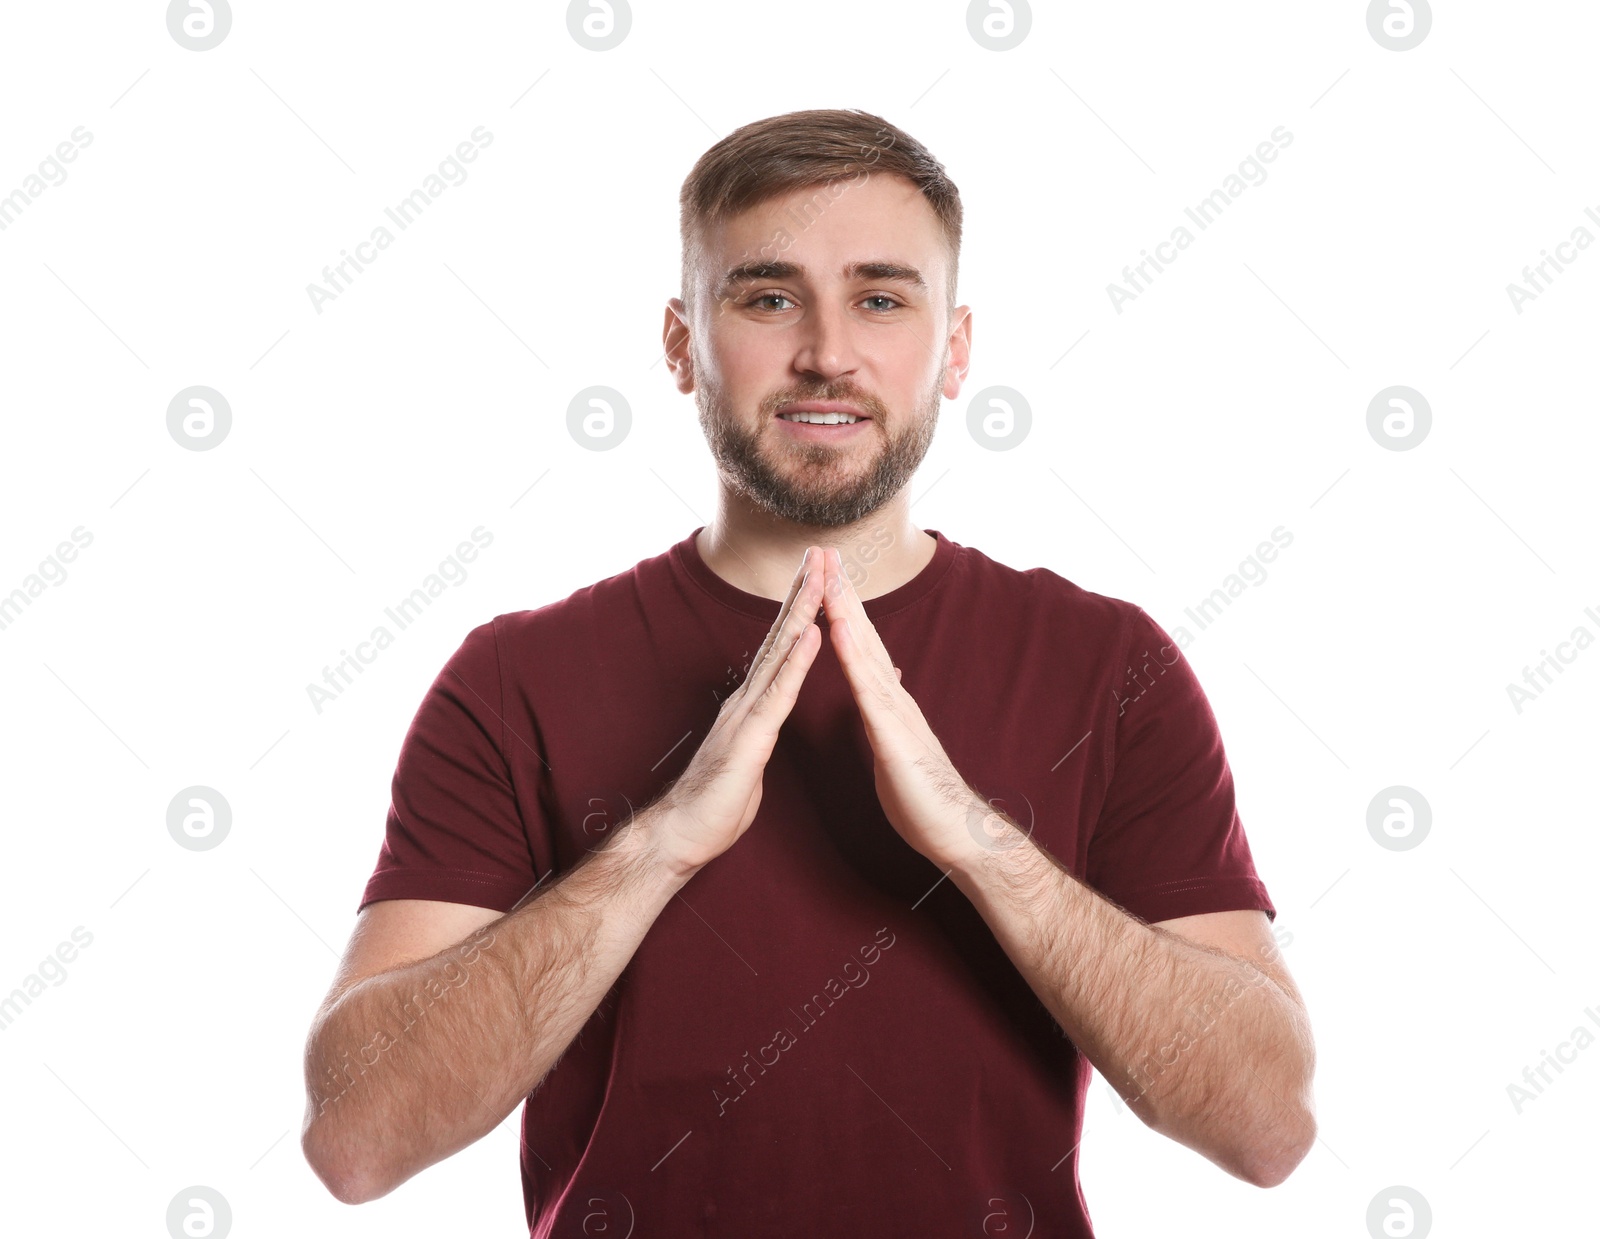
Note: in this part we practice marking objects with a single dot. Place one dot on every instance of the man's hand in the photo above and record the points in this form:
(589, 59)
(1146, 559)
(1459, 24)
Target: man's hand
(706, 809)
(922, 795)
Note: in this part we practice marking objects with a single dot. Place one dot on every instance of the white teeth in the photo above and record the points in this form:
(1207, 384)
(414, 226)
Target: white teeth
(821, 419)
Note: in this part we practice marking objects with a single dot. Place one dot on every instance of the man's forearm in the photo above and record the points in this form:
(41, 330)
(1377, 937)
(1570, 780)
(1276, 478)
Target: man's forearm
(416, 1063)
(1205, 1047)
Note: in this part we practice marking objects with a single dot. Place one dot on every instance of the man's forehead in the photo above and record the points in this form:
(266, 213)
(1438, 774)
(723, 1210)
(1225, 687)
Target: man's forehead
(875, 214)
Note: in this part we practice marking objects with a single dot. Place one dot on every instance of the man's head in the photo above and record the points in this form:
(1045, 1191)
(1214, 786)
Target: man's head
(819, 265)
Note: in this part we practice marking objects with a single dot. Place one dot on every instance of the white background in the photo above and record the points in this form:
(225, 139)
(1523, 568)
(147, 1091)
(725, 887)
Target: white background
(369, 439)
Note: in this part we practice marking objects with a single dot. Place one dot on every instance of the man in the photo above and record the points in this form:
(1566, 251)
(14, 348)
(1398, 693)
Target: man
(779, 931)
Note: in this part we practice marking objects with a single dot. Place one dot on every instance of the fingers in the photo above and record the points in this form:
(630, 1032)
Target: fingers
(756, 731)
(800, 577)
(780, 695)
(799, 608)
(842, 598)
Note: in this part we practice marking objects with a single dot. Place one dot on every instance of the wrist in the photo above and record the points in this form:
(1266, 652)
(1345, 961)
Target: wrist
(645, 840)
(991, 841)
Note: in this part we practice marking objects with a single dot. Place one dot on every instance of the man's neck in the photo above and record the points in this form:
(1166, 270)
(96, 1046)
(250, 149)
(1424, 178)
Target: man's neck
(880, 553)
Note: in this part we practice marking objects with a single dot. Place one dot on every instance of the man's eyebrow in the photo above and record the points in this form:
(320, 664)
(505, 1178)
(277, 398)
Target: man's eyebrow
(888, 272)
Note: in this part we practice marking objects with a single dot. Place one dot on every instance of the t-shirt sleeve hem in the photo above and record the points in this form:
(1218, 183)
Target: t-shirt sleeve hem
(1192, 897)
(446, 885)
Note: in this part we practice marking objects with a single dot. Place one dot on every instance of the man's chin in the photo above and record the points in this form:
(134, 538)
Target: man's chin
(819, 507)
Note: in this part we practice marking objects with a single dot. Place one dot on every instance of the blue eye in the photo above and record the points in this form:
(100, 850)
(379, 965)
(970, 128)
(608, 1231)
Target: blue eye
(879, 297)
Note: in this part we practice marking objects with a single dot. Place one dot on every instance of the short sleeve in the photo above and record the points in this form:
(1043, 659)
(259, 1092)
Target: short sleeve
(455, 831)
(1168, 841)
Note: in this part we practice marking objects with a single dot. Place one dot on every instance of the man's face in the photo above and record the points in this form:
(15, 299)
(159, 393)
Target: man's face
(826, 294)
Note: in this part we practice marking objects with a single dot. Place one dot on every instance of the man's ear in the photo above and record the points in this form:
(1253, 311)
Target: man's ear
(675, 340)
(960, 343)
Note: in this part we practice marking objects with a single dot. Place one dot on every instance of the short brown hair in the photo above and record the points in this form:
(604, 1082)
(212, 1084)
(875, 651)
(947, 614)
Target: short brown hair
(819, 147)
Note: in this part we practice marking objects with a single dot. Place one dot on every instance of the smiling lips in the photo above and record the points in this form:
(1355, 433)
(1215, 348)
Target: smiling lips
(821, 413)
(819, 419)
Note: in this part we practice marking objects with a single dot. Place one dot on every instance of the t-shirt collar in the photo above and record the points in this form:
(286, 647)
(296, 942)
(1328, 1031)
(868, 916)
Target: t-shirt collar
(685, 557)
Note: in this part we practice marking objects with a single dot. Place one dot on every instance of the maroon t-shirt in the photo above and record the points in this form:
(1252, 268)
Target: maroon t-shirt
(817, 1035)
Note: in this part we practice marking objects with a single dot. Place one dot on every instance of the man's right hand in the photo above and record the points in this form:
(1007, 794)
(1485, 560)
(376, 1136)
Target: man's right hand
(703, 813)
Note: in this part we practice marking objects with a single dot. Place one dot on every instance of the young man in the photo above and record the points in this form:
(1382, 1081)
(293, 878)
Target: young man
(778, 930)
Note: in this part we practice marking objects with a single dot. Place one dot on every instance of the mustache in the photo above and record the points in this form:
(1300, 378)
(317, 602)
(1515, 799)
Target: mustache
(865, 401)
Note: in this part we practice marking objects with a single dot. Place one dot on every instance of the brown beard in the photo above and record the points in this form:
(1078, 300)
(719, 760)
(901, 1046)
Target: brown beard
(827, 496)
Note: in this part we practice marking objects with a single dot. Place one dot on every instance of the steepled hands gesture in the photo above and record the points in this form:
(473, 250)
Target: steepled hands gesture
(711, 804)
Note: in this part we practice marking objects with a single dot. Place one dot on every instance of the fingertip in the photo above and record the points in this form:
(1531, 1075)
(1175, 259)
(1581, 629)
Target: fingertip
(805, 649)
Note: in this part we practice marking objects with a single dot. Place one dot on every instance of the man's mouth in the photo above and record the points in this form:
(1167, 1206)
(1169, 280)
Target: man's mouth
(822, 413)
(822, 419)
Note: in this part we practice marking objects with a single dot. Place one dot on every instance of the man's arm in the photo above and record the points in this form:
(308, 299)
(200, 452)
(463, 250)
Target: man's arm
(450, 1044)
(1206, 1048)
(414, 1064)
(1235, 1049)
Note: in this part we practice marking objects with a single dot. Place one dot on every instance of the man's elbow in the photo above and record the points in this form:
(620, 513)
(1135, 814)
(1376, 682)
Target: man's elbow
(345, 1183)
(1269, 1169)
